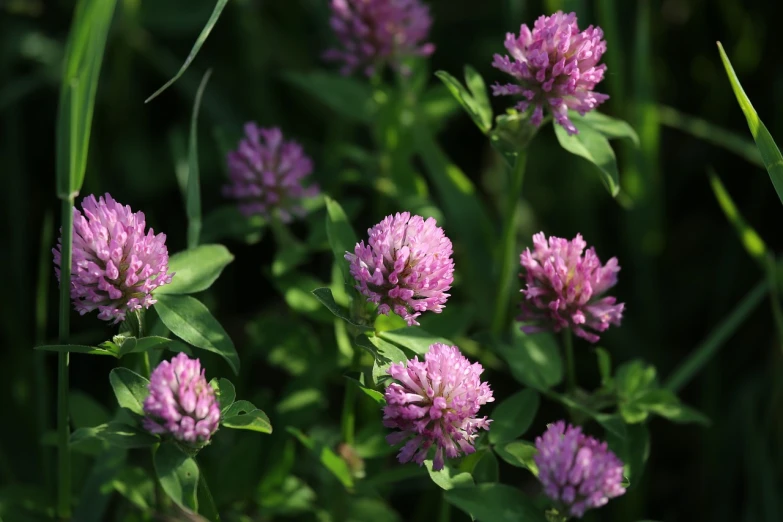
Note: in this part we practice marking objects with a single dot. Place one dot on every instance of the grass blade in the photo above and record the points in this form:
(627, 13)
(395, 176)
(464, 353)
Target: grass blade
(193, 192)
(711, 133)
(83, 59)
(770, 154)
(710, 346)
(213, 18)
(752, 242)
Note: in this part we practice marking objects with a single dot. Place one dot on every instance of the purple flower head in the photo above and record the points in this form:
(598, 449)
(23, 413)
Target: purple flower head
(181, 401)
(435, 402)
(373, 32)
(577, 470)
(266, 174)
(555, 67)
(115, 265)
(565, 285)
(406, 266)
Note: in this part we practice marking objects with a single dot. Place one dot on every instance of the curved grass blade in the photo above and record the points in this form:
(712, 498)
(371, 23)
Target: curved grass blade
(710, 133)
(770, 154)
(752, 242)
(193, 190)
(213, 18)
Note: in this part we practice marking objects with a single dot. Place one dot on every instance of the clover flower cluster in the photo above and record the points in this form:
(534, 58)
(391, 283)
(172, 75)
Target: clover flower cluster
(576, 470)
(116, 265)
(181, 402)
(555, 67)
(267, 174)
(375, 32)
(405, 267)
(435, 402)
(565, 288)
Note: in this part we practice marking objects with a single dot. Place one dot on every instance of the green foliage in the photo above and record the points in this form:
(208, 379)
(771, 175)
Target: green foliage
(178, 475)
(512, 417)
(189, 319)
(242, 415)
(130, 388)
(495, 503)
(591, 144)
(519, 453)
(533, 360)
(196, 269)
(770, 153)
(337, 466)
(225, 392)
(473, 99)
(115, 433)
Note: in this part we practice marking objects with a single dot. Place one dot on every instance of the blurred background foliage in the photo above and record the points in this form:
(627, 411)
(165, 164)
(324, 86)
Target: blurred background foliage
(683, 268)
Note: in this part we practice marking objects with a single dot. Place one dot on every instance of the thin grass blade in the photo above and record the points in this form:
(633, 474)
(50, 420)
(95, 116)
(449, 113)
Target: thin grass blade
(213, 18)
(193, 192)
(770, 153)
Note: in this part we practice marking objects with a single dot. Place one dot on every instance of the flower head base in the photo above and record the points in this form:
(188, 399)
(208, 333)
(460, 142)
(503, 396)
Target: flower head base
(373, 32)
(555, 67)
(435, 402)
(266, 174)
(115, 265)
(406, 266)
(181, 402)
(565, 285)
(577, 470)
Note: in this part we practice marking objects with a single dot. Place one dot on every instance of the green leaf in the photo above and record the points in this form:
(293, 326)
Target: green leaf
(604, 366)
(115, 433)
(373, 394)
(519, 453)
(331, 461)
(770, 154)
(242, 415)
(325, 297)
(130, 388)
(346, 96)
(414, 338)
(202, 37)
(634, 377)
(611, 128)
(534, 360)
(752, 242)
(225, 392)
(196, 269)
(134, 484)
(486, 469)
(448, 478)
(512, 417)
(76, 348)
(83, 59)
(189, 319)
(633, 450)
(178, 475)
(341, 236)
(591, 145)
(384, 354)
(145, 344)
(495, 503)
(478, 109)
(664, 403)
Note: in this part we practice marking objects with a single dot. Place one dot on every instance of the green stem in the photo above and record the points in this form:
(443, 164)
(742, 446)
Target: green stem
(508, 245)
(207, 505)
(63, 430)
(568, 346)
(348, 420)
(710, 346)
(41, 319)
